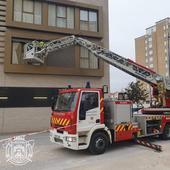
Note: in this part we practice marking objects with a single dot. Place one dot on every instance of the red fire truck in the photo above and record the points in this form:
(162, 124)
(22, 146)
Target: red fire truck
(83, 119)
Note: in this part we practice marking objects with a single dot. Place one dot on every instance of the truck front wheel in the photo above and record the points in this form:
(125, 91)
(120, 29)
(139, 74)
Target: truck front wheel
(98, 143)
(166, 133)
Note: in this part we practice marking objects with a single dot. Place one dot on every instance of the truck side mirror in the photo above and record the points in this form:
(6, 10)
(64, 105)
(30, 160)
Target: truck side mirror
(105, 89)
(53, 102)
(52, 106)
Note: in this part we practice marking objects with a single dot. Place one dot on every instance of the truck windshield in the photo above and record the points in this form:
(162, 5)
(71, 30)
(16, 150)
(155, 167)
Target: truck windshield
(66, 102)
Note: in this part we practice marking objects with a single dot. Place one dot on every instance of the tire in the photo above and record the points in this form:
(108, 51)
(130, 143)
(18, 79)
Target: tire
(98, 144)
(166, 132)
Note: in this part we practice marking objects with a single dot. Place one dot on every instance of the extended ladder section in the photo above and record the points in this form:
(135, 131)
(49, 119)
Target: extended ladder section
(35, 53)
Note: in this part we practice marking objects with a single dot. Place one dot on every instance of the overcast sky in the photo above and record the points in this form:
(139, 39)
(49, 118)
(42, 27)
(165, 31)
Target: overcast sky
(128, 20)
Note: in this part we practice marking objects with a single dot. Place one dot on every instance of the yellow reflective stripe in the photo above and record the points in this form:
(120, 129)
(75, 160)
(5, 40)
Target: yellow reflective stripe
(101, 100)
(67, 122)
(130, 127)
(64, 122)
(54, 121)
(58, 121)
(119, 127)
(101, 109)
(61, 121)
(116, 127)
(122, 128)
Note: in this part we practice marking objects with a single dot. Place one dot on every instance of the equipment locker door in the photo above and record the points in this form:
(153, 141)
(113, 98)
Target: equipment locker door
(89, 110)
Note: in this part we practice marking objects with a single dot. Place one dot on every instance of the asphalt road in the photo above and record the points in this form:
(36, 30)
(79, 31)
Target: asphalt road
(122, 156)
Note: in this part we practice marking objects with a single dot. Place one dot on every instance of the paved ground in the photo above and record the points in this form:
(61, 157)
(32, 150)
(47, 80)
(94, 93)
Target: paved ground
(123, 156)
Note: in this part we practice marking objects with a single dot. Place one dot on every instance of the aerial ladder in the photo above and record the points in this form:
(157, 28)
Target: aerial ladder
(36, 53)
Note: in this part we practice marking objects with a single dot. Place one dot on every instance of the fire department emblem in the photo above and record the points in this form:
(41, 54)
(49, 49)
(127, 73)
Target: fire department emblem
(19, 151)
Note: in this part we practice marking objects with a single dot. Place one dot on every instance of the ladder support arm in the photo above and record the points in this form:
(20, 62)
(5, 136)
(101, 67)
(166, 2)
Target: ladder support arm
(36, 54)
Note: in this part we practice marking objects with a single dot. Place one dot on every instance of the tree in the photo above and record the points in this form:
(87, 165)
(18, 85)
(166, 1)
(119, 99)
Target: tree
(136, 92)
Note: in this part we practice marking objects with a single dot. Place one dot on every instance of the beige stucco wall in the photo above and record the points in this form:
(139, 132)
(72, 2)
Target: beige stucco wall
(35, 119)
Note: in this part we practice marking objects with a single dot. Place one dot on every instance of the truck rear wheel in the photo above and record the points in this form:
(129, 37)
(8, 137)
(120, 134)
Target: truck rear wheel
(166, 133)
(98, 143)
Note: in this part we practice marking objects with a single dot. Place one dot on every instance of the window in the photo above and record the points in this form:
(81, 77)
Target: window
(164, 27)
(66, 102)
(17, 52)
(28, 11)
(89, 101)
(146, 54)
(150, 30)
(165, 43)
(150, 39)
(59, 58)
(146, 60)
(166, 65)
(88, 20)
(154, 29)
(151, 65)
(166, 58)
(165, 35)
(61, 16)
(88, 60)
(151, 59)
(150, 45)
(150, 52)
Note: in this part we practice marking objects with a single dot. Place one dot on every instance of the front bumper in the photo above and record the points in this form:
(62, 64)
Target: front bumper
(62, 139)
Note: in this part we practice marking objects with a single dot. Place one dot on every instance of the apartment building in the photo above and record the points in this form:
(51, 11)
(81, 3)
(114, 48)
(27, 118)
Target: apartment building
(26, 90)
(152, 49)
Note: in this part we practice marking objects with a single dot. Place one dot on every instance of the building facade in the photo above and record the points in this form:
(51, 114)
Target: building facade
(152, 49)
(23, 86)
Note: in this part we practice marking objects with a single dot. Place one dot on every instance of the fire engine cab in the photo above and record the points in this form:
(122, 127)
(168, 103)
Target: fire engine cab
(83, 119)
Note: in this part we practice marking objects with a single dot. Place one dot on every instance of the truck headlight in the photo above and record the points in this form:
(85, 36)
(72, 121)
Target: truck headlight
(71, 139)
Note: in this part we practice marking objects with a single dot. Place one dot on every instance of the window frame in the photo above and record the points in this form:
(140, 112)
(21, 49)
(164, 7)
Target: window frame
(12, 50)
(88, 21)
(62, 17)
(25, 12)
(88, 59)
(83, 117)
